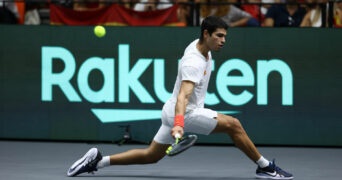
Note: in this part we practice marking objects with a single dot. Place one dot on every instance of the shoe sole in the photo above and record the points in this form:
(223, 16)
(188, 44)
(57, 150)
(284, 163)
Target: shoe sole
(92, 153)
(271, 177)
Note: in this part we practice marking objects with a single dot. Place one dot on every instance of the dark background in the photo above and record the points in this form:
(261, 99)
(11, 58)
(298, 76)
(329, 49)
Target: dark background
(313, 55)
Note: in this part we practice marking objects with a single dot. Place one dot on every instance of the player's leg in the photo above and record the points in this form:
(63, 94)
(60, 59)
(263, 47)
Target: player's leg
(93, 159)
(151, 154)
(232, 127)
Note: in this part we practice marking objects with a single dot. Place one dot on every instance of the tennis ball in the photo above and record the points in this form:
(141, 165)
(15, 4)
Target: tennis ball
(99, 31)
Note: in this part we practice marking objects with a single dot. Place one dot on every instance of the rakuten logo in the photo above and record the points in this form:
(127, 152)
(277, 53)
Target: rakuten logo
(128, 81)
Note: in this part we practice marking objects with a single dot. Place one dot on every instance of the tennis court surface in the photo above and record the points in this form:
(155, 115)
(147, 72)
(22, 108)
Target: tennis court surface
(26, 160)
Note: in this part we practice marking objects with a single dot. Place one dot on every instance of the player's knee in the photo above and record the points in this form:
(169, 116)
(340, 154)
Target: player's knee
(152, 158)
(233, 125)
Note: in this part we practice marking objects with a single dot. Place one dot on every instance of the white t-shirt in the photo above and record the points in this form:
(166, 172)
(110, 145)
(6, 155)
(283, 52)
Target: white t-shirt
(196, 68)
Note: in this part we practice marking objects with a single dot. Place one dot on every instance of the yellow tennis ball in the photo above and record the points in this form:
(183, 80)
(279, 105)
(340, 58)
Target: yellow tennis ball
(99, 31)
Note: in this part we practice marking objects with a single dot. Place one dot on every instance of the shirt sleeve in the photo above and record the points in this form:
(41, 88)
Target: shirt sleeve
(190, 73)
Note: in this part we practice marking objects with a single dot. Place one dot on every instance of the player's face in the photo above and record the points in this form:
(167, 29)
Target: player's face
(217, 39)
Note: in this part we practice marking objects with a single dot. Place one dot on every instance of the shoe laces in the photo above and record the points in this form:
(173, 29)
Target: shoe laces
(277, 169)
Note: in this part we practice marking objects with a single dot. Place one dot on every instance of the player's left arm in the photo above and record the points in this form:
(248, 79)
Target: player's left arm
(184, 94)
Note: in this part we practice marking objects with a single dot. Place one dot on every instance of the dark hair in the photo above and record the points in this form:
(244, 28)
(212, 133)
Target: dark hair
(211, 23)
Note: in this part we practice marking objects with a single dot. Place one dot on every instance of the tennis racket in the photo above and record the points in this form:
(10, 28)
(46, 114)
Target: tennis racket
(181, 144)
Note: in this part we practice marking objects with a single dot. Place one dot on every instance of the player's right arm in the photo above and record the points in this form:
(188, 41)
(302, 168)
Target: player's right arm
(184, 94)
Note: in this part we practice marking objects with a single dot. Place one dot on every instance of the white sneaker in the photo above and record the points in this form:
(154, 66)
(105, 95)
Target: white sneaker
(87, 163)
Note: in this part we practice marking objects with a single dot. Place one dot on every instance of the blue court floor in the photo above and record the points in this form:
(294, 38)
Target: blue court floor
(26, 160)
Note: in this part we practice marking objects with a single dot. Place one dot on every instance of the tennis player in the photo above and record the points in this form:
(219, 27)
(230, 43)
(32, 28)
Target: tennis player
(185, 112)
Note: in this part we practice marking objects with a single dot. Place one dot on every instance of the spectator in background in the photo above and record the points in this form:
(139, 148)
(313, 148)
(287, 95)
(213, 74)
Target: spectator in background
(152, 5)
(183, 10)
(32, 16)
(253, 9)
(285, 15)
(86, 5)
(338, 14)
(129, 4)
(8, 13)
(232, 15)
(267, 4)
(313, 17)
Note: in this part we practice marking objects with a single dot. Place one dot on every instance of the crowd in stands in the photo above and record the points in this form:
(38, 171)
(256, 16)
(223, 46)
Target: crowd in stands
(236, 13)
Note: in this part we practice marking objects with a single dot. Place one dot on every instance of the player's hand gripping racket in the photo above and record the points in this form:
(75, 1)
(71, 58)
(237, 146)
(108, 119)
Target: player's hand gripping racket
(181, 144)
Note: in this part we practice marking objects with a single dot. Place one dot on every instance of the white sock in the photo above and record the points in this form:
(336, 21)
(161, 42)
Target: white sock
(105, 161)
(262, 162)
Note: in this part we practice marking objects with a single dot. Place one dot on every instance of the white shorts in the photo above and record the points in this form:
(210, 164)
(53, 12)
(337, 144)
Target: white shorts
(199, 121)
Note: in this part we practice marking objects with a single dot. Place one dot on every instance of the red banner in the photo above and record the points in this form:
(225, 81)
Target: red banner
(115, 15)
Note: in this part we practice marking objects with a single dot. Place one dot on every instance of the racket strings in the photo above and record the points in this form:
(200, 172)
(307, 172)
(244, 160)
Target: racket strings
(181, 145)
